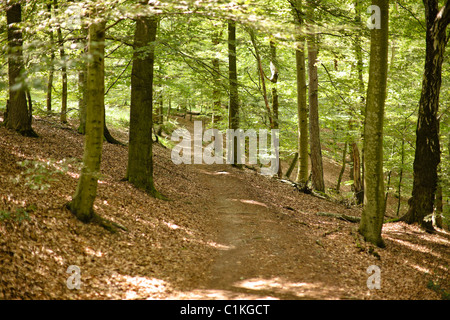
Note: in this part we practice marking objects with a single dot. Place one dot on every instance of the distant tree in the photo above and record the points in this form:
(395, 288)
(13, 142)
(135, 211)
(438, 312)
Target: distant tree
(18, 115)
(317, 180)
(62, 53)
(51, 70)
(233, 108)
(374, 201)
(302, 108)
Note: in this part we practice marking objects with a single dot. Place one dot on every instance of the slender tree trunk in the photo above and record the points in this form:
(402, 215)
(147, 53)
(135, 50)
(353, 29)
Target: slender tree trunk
(233, 109)
(358, 186)
(437, 214)
(302, 109)
(216, 79)
(83, 200)
(402, 164)
(275, 103)
(82, 100)
(341, 173)
(292, 165)
(357, 180)
(82, 84)
(427, 153)
(18, 115)
(302, 112)
(169, 108)
(318, 182)
(140, 153)
(262, 78)
(374, 201)
(62, 54)
(51, 70)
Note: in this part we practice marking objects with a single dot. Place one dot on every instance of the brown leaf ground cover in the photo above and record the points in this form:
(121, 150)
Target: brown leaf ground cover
(226, 233)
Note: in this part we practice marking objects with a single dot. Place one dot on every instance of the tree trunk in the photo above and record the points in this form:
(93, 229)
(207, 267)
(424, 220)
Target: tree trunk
(302, 112)
(360, 71)
(302, 109)
(216, 79)
(234, 97)
(140, 154)
(427, 153)
(82, 202)
(437, 214)
(18, 115)
(51, 70)
(374, 201)
(402, 164)
(341, 173)
(82, 100)
(357, 185)
(275, 103)
(317, 180)
(82, 87)
(291, 167)
(62, 54)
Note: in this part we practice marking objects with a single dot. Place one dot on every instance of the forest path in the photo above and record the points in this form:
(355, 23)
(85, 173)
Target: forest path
(262, 254)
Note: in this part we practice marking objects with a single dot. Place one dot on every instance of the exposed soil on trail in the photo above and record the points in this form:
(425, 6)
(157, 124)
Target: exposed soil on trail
(226, 233)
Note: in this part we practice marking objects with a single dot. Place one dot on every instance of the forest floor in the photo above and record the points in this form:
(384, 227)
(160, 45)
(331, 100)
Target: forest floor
(225, 233)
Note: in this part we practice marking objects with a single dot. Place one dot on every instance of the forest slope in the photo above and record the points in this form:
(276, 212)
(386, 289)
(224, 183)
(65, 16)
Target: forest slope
(225, 234)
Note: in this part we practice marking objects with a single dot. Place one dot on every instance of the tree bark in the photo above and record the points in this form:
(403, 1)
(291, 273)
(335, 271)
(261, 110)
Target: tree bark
(275, 104)
(18, 115)
(357, 185)
(233, 110)
(427, 153)
(51, 70)
(341, 173)
(140, 153)
(216, 79)
(83, 200)
(302, 109)
(62, 54)
(317, 179)
(374, 201)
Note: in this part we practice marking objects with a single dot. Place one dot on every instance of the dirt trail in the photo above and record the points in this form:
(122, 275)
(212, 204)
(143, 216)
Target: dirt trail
(261, 254)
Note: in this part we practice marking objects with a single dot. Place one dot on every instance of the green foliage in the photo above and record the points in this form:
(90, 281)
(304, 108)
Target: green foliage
(19, 215)
(37, 175)
(436, 287)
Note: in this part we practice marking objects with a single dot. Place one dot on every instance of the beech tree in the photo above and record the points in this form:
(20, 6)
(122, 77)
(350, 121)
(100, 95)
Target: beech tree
(83, 200)
(233, 108)
(140, 154)
(18, 115)
(302, 109)
(427, 154)
(374, 197)
(317, 180)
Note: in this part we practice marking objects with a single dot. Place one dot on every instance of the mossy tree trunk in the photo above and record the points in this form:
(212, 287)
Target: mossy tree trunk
(82, 202)
(374, 201)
